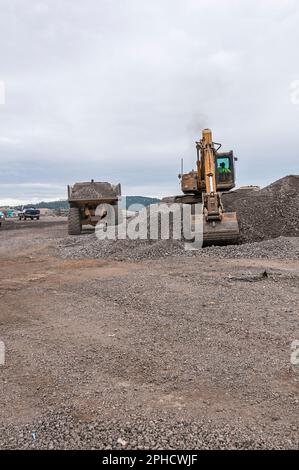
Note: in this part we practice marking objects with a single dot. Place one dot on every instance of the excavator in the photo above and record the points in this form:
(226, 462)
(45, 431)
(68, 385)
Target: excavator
(215, 174)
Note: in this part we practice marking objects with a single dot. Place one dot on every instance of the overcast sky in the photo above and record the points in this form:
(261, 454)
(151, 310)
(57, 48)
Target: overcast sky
(119, 90)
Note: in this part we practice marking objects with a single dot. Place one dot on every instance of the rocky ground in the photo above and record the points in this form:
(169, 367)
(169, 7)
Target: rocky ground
(119, 348)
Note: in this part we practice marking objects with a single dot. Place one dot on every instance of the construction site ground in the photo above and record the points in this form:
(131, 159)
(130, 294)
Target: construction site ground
(177, 352)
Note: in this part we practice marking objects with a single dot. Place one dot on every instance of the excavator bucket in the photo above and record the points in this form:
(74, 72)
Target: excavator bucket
(221, 232)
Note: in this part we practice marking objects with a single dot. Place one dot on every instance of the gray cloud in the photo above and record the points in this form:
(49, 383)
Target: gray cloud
(120, 91)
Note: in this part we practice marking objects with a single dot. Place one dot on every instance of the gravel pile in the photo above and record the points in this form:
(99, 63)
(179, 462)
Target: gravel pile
(89, 246)
(278, 248)
(267, 213)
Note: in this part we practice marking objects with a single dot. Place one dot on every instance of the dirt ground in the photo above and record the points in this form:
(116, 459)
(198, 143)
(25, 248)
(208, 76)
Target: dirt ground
(172, 353)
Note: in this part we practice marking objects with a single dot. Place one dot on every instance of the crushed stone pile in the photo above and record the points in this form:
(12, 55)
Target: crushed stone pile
(89, 246)
(266, 213)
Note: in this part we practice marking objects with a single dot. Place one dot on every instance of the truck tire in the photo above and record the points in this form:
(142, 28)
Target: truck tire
(74, 221)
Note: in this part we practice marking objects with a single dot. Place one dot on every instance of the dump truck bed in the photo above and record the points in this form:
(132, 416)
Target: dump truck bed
(90, 192)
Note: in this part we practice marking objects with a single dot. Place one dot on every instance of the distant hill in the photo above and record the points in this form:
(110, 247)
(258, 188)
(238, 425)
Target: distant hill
(51, 205)
(130, 200)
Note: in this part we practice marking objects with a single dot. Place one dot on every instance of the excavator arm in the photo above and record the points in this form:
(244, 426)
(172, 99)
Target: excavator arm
(218, 226)
(206, 167)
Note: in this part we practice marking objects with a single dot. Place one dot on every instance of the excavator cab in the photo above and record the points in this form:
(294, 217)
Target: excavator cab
(225, 171)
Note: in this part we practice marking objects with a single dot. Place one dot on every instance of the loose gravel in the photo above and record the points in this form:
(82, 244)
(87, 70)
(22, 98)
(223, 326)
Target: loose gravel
(88, 246)
(59, 430)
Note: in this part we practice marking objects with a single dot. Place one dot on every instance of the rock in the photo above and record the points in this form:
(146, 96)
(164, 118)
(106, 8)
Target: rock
(122, 442)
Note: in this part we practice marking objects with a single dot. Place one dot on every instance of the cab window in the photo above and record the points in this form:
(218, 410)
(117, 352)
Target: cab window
(223, 165)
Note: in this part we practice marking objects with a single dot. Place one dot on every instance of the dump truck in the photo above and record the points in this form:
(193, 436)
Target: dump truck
(90, 202)
(215, 173)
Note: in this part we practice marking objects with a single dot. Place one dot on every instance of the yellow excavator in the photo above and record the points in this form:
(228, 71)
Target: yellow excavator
(215, 174)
